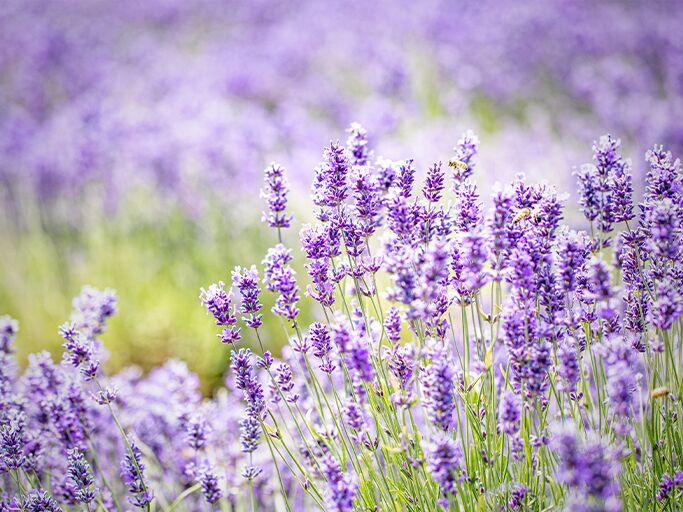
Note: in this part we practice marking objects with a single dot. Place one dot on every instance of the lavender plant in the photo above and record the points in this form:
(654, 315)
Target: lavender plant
(459, 358)
(466, 359)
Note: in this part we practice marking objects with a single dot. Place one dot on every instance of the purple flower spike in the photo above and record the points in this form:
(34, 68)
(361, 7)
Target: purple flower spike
(132, 474)
(357, 144)
(463, 161)
(246, 280)
(39, 501)
(92, 309)
(275, 192)
(218, 302)
(434, 184)
(331, 187)
(605, 189)
(250, 433)
(444, 462)
(12, 444)
(81, 477)
(279, 277)
(196, 432)
(341, 487)
(467, 206)
(438, 381)
(315, 241)
(246, 381)
(588, 469)
(392, 324)
(509, 413)
(405, 178)
(209, 482)
(320, 340)
(568, 365)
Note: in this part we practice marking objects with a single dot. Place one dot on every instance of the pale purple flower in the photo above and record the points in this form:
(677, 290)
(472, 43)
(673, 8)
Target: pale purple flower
(392, 324)
(275, 192)
(587, 468)
(463, 161)
(246, 280)
(445, 465)
(438, 385)
(509, 413)
(218, 302)
(568, 365)
(132, 475)
(434, 184)
(280, 277)
(341, 487)
(357, 144)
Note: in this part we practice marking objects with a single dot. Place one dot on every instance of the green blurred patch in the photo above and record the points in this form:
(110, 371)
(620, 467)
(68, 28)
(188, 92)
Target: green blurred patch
(157, 264)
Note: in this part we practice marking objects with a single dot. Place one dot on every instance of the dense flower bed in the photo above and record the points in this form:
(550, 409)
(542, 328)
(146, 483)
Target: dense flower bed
(462, 358)
(189, 97)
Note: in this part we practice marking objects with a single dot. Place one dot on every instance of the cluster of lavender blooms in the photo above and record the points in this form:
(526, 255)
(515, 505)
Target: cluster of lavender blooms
(107, 97)
(459, 358)
(74, 438)
(464, 357)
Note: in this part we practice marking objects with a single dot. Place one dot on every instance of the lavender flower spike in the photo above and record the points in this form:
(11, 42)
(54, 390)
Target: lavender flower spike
(81, 478)
(209, 482)
(438, 380)
(357, 144)
(218, 302)
(463, 161)
(509, 414)
(280, 277)
(341, 487)
(132, 474)
(444, 462)
(275, 192)
(247, 282)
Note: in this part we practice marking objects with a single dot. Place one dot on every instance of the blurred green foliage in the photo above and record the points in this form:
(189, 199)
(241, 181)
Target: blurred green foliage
(156, 264)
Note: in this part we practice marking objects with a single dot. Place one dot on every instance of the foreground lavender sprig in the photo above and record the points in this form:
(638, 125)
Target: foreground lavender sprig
(81, 478)
(132, 474)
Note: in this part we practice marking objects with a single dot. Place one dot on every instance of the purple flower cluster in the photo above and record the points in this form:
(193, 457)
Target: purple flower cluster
(280, 278)
(8, 332)
(438, 382)
(218, 302)
(554, 323)
(132, 475)
(445, 463)
(66, 127)
(605, 189)
(670, 485)
(80, 476)
(510, 413)
(246, 280)
(317, 245)
(589, 470)
(467, 358)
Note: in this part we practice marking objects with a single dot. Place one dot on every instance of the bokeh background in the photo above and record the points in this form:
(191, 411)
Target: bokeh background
(133, 134)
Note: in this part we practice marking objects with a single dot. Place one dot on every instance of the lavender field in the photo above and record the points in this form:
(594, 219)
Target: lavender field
(341, 256)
